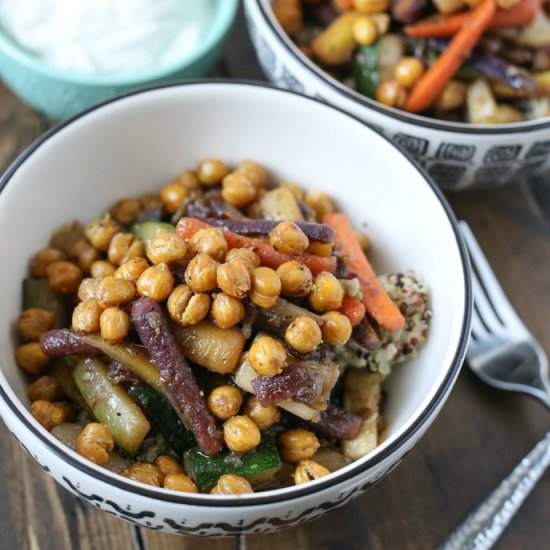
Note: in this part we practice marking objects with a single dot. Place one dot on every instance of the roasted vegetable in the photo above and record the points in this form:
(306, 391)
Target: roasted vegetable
(210, 346)
(280, 205)
(111, 405)
(147, 230)
(336, 43)
(66, 236)
(257, 466)
(37, 293)
(162, 415)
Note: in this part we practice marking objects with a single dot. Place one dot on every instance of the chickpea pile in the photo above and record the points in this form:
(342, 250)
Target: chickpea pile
(205, 277)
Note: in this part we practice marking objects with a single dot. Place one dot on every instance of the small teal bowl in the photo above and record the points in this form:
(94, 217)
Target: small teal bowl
(61, 94)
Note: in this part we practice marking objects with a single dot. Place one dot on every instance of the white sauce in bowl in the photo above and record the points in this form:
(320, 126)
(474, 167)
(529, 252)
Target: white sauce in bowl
(107, 36)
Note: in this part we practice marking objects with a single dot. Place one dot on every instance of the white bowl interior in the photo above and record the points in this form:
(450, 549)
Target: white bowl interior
(133, 146)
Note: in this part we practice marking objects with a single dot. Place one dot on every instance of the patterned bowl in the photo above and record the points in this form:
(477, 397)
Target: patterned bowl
(61, 93)
(131, 145)
(456, 155)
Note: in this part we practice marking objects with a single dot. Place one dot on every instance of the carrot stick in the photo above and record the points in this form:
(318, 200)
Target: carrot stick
(521, 14)
(432, 82)
(377, 301)
(353, 309)
(269, 257)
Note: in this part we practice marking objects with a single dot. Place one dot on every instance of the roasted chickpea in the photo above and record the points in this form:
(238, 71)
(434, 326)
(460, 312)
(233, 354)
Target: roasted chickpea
(31, 358)
(232, 484)
(266, 286)
(263, 417)
(114, 324)
(320, 202)
(327, 292)
(238, 190)
(319, 249)
(150, 201)
(168, 465)
(95, 442)
(303, 334)
(50, 414)
(186, 308)
(32, 322)
(42, 259)
(201, 273)
(179, 482)
(295, 189)
(226, 311)
(391, 93)
(144, 473)
(84, 254)
(288, 238)
(255, 172)
(224, 402)
(132, 269)
(365, 31)
(126, 210)
(87, 289)
(209, 241)
(190, 180)
(267, 356)
(296, 279)
(308, 470)
(165, 248)
(298, 444)
(453, 96)
(101, 269)
(86, 316)
(241, 435)
(64, 277)
(212, 171)
(45, 388)
(336, 329)
(101, 231)
(112, 291)
(408, 71)
(172, 195)
(249, 257)
(156, 282)
(234, 278)
(123, 247)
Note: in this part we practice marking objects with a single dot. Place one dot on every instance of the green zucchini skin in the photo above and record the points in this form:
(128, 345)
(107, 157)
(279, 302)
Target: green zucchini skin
(257, 466)
(147, 230)
(161, 414)
(37, 293)
(365, 68)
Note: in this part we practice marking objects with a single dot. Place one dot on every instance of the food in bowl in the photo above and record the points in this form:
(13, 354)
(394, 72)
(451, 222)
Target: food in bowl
(482, 62)
(222, 299)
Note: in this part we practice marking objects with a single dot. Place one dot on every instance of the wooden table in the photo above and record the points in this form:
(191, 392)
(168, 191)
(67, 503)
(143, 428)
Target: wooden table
(476, 440)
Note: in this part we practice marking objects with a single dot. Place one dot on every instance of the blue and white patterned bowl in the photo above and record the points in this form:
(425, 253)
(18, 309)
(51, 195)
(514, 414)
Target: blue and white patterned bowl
(456, 155)
(132, 145)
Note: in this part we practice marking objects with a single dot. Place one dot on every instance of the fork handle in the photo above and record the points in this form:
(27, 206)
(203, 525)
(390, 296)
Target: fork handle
(482, 528)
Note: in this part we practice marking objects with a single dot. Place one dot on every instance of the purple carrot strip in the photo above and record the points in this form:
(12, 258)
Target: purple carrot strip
(154, 331)
(337, 422)
(295, 382)
(60, 343)
(283, 313)
(315, 231)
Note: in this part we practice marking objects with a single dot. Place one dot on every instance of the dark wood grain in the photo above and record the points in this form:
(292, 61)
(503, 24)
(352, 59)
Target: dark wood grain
(476, 440)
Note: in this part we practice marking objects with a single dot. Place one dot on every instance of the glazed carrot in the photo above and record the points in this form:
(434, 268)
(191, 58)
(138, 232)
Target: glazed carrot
(521, 14)
(353, 309)
(377, 301)
(432, 82)
(269, 257)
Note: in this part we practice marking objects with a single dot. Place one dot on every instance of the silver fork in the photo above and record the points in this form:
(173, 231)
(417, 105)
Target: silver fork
(504, 354)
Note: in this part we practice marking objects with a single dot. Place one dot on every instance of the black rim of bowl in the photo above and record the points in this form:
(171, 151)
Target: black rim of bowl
(299, 491)
(416, 120)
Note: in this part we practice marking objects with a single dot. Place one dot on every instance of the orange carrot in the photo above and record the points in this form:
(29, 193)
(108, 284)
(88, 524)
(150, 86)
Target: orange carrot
(269, 257)
(434, 27)
(432, 82)
(353, 309)
(377, 301)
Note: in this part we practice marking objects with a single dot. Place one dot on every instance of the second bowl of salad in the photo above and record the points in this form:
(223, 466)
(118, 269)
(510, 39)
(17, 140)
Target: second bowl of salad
(462, 86)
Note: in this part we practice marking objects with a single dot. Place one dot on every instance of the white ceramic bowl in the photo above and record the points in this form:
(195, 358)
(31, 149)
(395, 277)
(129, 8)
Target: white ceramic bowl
(456, 155)
(134, 144)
